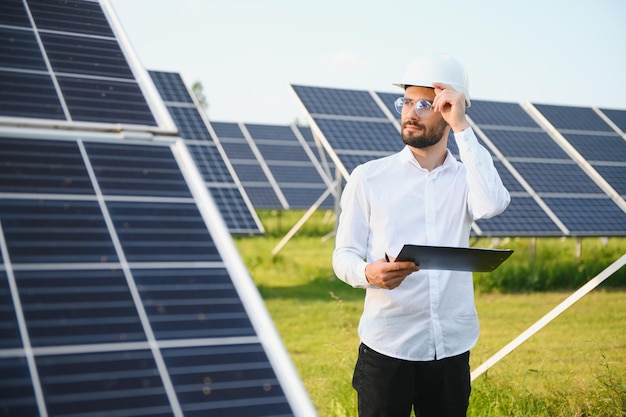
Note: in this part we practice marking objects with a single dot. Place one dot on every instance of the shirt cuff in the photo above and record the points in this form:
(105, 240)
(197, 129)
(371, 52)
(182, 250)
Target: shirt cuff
(362, 279)
(466, 140)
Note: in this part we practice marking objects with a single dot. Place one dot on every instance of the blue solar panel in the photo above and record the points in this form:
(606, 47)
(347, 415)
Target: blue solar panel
(281, 134)
(18, 397)
(129, 303)
(616, 116)
(590, 216)
(190, 124)
(85, 77)
(338, 102)
(137, 170)
(98, 307)
(274, 165)
(603, 147)
(490, 113)
(298, 173)
(509, 181)
(97, 57)
(101, 100)
(281, 151)
(211, 165)
(543, 164)
(318, 150)
(523, 217)
(89, 386)
(29, 95)
(121, 292)
(24, 168)
(222, 182)
(240, 153)
(12, 12)
(19, 49)
(615, 176)
(76, 16)
(263, 196)
(227, 130)
(525, 144)
(389, 99)
(262, 193)
(351, 161)
(573, 118)
(380, 137)
(596, 147)
(59, 231)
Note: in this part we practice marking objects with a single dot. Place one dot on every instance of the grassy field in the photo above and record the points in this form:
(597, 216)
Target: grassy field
(575, 366)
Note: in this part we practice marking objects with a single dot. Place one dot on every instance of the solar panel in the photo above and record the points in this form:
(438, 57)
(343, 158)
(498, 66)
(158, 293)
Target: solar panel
(219, 176)
(121, 290)
(263, 193)
(121, 293)
(62, 62)
(614, 175)
(598, 148)
(616, 116)
(595, 137)
(351, 125)
(548, 171)
(602, 145)
(294, 166)
(276, 164)
(573, 118)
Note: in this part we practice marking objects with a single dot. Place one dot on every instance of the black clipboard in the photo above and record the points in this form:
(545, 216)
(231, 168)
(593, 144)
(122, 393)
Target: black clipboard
(454, 259)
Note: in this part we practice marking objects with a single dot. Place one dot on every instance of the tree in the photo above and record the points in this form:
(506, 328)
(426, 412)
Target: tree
(198, 91)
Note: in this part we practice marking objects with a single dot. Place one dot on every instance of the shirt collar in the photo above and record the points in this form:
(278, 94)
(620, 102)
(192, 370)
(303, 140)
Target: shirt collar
(406, 155)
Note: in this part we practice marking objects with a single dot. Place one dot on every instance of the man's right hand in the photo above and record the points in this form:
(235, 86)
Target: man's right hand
(389, 275)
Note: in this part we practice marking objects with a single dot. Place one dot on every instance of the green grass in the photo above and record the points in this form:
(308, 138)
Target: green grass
(575, 366)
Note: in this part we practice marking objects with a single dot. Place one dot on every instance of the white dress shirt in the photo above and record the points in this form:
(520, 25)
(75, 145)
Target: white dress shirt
(393, 201)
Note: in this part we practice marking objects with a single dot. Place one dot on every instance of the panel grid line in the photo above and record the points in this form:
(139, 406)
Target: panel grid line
(21, 321)
(577, 157)
(50, 72)
(266, 170)
(533, 194)
(143, 316)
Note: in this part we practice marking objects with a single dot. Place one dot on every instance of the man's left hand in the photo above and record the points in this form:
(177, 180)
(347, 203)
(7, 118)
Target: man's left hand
(451, 104)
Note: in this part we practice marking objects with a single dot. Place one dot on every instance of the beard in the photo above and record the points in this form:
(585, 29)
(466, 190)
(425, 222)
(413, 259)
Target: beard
(429, 137)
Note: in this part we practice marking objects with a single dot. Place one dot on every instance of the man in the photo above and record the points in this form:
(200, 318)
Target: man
(417, 326)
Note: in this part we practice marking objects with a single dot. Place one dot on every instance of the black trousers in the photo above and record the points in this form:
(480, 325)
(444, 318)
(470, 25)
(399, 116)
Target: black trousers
(389, 387)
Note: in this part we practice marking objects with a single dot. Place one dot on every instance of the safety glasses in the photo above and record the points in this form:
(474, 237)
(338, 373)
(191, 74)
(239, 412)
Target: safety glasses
(422, 108)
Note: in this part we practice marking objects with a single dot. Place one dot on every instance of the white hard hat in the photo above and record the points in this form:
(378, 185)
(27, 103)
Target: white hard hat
(426, 70)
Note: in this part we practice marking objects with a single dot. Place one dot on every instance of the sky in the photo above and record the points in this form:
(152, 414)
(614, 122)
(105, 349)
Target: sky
(246, 53)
